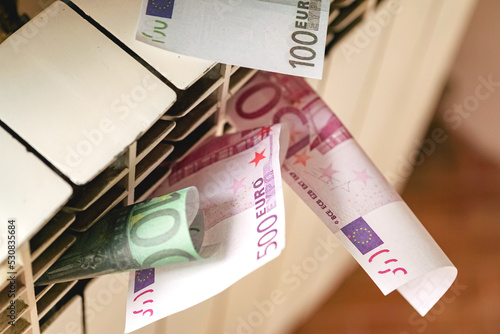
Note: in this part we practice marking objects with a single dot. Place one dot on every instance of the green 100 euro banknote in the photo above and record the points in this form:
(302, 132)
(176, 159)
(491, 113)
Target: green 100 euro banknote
(285, 36)
(163, 230)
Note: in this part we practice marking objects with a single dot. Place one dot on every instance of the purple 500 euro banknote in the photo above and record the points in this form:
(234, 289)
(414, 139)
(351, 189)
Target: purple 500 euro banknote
(332, 174)
(239, 182)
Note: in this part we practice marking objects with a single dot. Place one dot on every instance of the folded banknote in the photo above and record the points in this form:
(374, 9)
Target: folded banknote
(239, 182)
(335, 178)
(161, 231)
(285, 36)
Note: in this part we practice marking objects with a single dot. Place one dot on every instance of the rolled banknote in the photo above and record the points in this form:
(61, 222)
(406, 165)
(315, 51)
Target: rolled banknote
(161, 231)
(239, 180)
(332, 174)
(285, 36)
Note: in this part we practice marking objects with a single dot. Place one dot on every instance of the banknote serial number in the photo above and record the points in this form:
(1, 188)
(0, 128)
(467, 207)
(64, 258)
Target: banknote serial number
(303, 39)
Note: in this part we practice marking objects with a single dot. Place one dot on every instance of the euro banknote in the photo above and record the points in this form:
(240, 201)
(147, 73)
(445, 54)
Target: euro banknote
(285, 36)
(239, 181)
(331, 173)
(161, 231)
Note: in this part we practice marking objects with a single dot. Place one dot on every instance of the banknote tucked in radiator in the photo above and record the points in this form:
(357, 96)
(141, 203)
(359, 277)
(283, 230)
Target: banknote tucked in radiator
(161, 231)
(285, 36)
(239, 181)
(331, 173)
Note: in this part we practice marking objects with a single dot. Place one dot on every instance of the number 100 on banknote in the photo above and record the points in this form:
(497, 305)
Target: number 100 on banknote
(284, 36)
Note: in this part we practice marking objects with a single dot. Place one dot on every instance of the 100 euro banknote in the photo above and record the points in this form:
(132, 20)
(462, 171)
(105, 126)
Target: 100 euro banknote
(160, 231)
(285, 36)
(239, 182)
(331, 173)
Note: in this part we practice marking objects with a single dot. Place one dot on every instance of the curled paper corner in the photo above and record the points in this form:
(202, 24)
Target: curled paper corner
(195, 219)
(426, 290)
(331, 173)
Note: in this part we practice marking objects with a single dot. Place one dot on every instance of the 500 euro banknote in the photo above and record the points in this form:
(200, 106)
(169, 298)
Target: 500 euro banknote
(331, 173)
(285, 36)
(240, 192)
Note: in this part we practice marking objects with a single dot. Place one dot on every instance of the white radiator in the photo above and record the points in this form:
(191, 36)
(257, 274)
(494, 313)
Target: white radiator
(91, 119)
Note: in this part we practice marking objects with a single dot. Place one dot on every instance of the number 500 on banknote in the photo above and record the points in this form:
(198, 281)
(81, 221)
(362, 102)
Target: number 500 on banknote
(284, 36)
